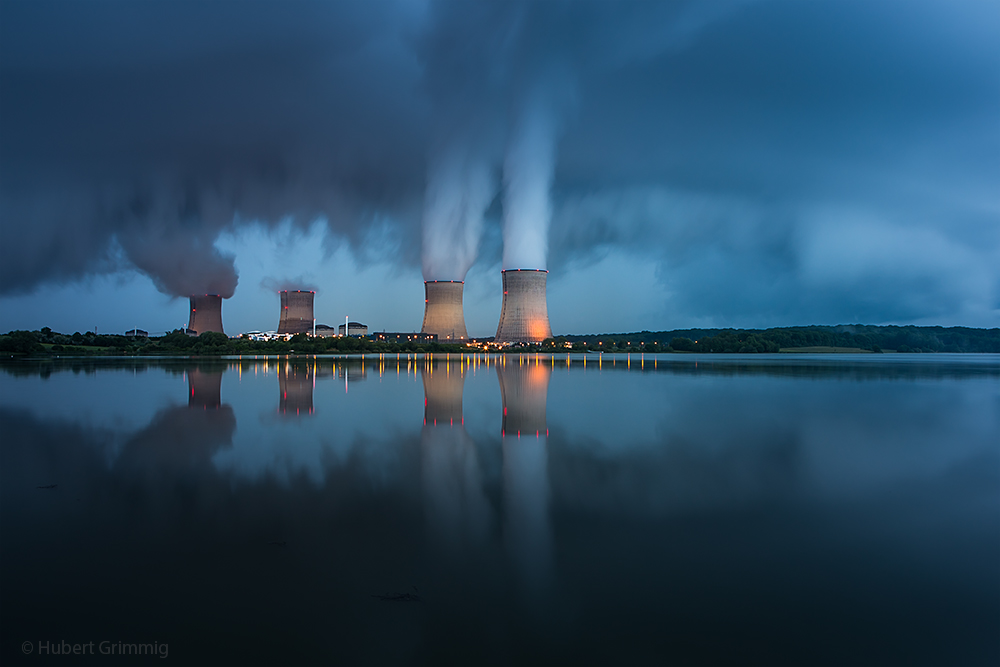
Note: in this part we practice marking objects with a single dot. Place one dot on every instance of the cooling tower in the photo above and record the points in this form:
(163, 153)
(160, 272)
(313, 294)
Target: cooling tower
(443, 314)
(206, 313)
(296, 311)
(524, 317)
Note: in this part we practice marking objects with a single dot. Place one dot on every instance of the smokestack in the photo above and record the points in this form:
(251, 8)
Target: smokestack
(524, 316)
(296, 311)
(206, 313)
(443, 313)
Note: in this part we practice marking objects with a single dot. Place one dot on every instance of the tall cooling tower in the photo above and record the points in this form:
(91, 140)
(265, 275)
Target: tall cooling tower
(206, 313)
(524, 317)
(443, 314)
(296, 311)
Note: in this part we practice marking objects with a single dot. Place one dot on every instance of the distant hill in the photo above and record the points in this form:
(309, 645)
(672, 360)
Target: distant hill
(861, 336)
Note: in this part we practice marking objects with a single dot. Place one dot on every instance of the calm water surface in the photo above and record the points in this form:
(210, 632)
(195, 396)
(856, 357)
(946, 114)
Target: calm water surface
(678, 509)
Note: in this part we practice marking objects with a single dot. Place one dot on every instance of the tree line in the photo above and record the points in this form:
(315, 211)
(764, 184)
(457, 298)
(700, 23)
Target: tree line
(45, 341)
(865, 337)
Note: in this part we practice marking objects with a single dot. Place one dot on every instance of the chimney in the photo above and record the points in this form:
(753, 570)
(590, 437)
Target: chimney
(524, 316)
(443, 314)
(296, 311)
(206, 313)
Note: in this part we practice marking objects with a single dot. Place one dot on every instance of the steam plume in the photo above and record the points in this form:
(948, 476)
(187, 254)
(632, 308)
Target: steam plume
(527, 174)
(460, 187)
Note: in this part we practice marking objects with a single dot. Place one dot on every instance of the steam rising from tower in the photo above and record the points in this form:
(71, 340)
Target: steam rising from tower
(527, 177)
(296, 311)
(527, 174)
(524, 316)
(443, 313)
(206, 313)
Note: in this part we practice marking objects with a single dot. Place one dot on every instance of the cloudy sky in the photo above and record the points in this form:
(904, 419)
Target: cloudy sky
(672, 164)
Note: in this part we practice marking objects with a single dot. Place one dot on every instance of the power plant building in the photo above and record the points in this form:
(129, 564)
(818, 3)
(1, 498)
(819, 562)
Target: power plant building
(400, 337)
(524, 316)
(353, 329)
(296, 311)
(206, 314)
(443, 312)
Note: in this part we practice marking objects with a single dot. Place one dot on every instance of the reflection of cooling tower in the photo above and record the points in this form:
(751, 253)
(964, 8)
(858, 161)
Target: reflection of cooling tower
(181, 438)
(524, 316)
(527, 530)
(524, 389)
(296, 386)
(458, 514)
(296, 312)
(443, 314)
(204, 388)
(206, 313)
(443, 394)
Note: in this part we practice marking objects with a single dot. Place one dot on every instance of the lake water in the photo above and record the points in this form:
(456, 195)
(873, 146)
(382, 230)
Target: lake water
(671, 509)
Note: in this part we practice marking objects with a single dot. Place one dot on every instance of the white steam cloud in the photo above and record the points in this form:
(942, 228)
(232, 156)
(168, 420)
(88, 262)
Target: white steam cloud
(460, 186)
(527, 175)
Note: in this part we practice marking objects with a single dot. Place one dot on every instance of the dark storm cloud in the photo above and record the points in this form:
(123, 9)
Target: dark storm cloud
(146, 128)
(776, 161)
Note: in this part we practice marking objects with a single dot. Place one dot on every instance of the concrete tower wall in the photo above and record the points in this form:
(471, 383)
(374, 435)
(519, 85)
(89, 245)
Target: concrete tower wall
(296, 312)
(206, 313)
(524, 316)
(443, 313)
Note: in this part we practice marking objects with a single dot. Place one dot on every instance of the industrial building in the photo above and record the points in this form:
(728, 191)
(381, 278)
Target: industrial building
(296, 311)
(206, 314)
(524, 316)
(443, 312)
(137, 333)
(395, 337)
(325, 331)
(353, 329)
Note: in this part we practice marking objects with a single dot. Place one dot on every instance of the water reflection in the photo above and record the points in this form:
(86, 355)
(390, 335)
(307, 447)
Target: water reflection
(524, 387)
(458, 515)
(682, 509)
(296, 382)
(181, 437)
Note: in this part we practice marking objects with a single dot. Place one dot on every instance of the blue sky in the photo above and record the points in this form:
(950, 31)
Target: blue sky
(673, 164)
